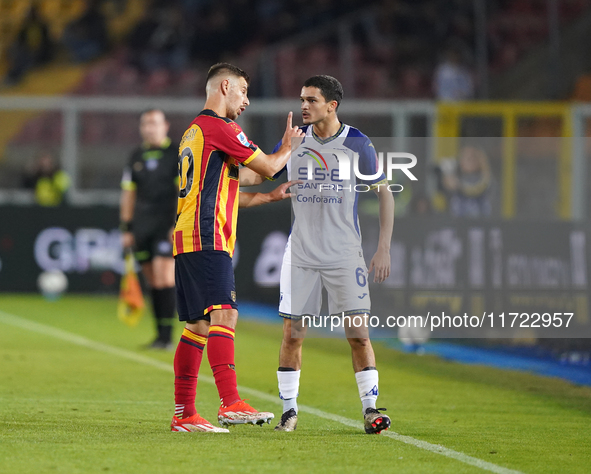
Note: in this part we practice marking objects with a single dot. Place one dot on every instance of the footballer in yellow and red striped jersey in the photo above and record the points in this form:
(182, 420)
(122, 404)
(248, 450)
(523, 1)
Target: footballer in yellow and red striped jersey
(210, 152)
(204, 237)
(205, 232)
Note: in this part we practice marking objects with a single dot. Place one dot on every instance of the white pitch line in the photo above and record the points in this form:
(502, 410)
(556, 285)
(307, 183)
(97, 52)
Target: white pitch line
(46, 330)
(85, 400)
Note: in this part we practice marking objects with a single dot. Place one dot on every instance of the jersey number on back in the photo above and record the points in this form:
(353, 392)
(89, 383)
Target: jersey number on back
(186, 172)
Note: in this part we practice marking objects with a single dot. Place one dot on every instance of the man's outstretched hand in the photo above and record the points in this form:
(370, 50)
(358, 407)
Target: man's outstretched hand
(256, 199)
(280, 192)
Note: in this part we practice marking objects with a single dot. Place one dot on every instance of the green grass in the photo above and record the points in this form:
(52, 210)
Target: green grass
(66, 408)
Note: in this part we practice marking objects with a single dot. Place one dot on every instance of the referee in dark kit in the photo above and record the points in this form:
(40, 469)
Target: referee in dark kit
(148, 213)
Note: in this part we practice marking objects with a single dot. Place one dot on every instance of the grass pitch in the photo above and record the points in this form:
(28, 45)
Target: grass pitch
(99, 403)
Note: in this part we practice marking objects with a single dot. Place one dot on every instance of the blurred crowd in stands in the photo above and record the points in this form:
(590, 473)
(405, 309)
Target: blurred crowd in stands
(399, 48)
(83, 39)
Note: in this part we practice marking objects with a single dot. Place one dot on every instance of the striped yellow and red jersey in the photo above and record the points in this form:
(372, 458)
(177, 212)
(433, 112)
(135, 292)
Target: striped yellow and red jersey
(209, 154)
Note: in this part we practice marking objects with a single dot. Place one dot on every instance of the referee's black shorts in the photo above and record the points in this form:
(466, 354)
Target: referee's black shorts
(152, 238)
(204, 282)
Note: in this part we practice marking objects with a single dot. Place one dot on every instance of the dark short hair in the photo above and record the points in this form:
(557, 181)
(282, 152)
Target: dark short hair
(152, 110)
(226, 68)
(330, 88)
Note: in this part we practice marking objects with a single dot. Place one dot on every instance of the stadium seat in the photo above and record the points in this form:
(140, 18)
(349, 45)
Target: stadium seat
(582, 91)
(127, 82)
(286, 62)
(124, 129)
(190, 83)
(31, 132)
(157, 82)
(92, 128)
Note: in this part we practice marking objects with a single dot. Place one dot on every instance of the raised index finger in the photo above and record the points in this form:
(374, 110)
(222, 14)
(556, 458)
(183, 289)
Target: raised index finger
(289, 116)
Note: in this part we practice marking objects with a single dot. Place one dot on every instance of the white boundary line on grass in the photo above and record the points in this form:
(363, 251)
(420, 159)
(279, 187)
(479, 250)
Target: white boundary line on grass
(46, 330)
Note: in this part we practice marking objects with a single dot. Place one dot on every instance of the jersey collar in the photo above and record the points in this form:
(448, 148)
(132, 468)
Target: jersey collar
(209, 112)
(324, 141)
(165, 144)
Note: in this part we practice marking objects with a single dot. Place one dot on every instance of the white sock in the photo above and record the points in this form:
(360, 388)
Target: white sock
(367, 383)
(289, 383)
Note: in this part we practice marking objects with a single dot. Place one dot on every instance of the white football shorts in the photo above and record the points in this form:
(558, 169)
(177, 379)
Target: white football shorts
(301, 290)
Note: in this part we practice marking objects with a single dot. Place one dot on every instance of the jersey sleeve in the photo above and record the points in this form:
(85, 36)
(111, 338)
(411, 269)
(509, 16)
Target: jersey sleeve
(368, 164)
(233, 141)
(282, 170)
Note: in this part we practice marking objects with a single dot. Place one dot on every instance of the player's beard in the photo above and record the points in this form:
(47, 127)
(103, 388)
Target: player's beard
(234, 113)
(231, 114)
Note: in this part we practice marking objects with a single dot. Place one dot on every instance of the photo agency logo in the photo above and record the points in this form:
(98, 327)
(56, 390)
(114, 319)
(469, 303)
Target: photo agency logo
(342, 169)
